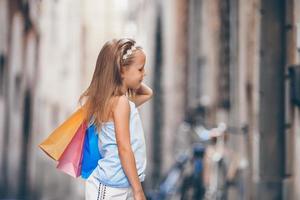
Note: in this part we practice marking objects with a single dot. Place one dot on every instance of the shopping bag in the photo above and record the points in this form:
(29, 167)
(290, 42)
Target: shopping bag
(70, 161)
(91, 154)
(55, 144)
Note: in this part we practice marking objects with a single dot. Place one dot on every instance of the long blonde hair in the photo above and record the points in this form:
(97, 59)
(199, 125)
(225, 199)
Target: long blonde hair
(107, 81)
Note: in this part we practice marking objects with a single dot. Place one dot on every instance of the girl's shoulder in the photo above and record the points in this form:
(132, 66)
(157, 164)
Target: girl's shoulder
(122, 103)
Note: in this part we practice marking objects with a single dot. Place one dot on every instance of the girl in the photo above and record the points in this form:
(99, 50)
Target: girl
(115, 92)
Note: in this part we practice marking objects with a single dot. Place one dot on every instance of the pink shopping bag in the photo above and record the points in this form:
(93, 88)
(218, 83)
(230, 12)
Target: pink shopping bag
(70, 161)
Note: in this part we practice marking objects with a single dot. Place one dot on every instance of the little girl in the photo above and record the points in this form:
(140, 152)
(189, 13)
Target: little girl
(112, 98)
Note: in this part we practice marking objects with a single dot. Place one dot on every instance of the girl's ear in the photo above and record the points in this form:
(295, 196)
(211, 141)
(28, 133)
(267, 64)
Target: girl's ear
(122, 72)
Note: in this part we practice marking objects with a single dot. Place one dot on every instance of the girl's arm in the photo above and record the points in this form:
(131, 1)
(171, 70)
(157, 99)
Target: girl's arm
(143, 94)
(121, 114)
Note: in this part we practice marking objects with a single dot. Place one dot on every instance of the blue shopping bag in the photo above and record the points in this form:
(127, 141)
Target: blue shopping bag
(91, 154)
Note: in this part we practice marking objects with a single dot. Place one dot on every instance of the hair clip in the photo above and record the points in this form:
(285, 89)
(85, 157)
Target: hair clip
(129, 52)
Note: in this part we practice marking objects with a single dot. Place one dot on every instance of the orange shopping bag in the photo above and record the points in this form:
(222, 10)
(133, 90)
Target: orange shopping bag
(56, 143)
(70, 161)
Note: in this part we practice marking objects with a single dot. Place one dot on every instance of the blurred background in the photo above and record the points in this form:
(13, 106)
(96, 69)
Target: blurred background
(208, 61)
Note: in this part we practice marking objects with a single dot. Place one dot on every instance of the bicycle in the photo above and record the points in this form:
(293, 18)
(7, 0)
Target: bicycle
(219, 179)
(176, 184)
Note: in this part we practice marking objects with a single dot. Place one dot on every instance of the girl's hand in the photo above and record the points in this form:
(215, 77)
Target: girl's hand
(144, 90)
(139, 195)
(143, 94)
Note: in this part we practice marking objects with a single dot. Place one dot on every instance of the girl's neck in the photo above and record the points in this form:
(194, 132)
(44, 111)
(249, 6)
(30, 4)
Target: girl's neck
(124, 89)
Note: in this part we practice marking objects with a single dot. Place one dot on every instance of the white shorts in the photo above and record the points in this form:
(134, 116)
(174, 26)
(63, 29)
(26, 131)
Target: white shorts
(94, 190)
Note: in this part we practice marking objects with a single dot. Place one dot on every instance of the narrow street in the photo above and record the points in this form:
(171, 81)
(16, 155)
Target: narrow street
(227, 67)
